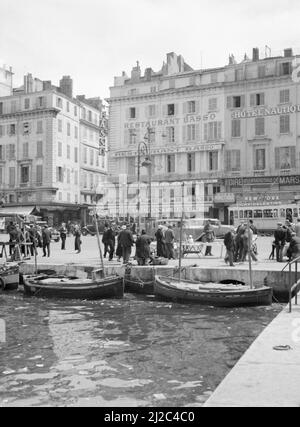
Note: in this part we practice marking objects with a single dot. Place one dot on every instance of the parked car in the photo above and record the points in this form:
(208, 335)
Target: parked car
(88, 230)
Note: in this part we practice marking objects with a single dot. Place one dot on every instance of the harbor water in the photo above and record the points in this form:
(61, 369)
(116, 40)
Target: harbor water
(132, 352)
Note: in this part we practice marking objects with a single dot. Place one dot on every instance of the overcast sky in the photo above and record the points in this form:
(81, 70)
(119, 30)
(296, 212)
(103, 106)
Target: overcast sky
(95, 40)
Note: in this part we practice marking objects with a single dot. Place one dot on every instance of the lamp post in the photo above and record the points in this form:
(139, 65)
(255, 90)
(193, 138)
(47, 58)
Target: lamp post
(147, 162)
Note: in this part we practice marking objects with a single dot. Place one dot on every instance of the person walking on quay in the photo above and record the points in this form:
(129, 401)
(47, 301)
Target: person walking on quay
(46, 236)
(105, 241)
(126, 242)
(111, 241)
(248, 244)
(63, 235)
(119, 251)
(77, 234)
(239, 248)
(209, 237)
(297, 228)
(229, 242)
(143, 254)
(280, 240)
(169, 239)
(160, 242)
(293, 251)
(33, 239)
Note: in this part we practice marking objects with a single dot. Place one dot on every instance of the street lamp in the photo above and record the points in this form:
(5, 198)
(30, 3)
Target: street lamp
(143, 147)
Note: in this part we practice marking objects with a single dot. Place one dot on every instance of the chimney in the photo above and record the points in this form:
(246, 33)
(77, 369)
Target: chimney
(148, 74)
(66, 86)
(255, 56)
(288, 52)
(47, 85)
(136, 72)
(28, 83)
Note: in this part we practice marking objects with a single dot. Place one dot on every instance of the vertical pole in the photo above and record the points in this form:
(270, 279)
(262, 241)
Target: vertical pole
(98, 240)
(150, 173)
(249, 254)
(139, 189)
(180, 236)
(290, 288)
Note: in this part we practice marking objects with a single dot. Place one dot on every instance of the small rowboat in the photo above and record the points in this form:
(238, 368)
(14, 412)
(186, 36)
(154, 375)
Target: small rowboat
(60, 286)
(214, 294)
(9, 276)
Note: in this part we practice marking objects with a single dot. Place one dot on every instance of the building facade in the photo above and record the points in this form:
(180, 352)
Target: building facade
(40, 149)
(225, 133)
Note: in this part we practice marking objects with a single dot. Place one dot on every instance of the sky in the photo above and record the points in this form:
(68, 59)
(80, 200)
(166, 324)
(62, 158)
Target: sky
(95, 40)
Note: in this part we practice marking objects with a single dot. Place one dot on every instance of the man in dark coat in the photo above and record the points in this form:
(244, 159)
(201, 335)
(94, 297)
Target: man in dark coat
(63, 235)
(239, 246)
(143, 254)
(126, 242)
(294, 248)
(110, 238)
(209, 237)
(46, 236)
(280, 236)
(229, 242)
(160, 242)
(105, 241)
(169, 239)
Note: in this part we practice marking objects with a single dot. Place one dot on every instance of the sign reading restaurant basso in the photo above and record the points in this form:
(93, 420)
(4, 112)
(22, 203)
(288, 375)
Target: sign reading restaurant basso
(189, 119)
(262, 112)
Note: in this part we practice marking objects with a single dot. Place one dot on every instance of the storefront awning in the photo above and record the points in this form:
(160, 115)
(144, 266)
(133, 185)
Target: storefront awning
(18, 210)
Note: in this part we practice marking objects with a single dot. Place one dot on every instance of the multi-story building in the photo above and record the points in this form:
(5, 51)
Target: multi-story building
(40, 149)
(223, 132)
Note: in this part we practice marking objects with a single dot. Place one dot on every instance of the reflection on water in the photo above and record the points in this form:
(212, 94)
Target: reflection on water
(131, 352)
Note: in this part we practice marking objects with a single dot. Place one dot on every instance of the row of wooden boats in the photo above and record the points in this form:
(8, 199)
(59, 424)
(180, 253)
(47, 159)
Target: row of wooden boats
(52, 285)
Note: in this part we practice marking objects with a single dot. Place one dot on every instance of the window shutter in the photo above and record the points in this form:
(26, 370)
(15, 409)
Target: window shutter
(127, 113)
(228, 160)
(176, 109)
(252, 99)
(238, 159)
(165, 110)
(126, 136)
(136, 113)
(242, 101)
(219, 130)
(197, 133)
(281, 97)
(147, 112)
(293, 156)
(205, 131)
(57, 174)
(262, 98)
(229, 101)
(184, 107)
(184, 133)
(197, 107)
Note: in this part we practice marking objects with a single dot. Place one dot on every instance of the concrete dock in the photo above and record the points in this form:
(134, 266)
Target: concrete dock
(266, 376)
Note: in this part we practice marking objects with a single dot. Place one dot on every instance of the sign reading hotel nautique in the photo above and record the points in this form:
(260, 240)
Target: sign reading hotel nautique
(262, 112)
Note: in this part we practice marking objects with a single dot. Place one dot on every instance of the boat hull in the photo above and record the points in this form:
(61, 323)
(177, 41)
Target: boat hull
(165, 289)
(9, 278)
(139, 287)
(74, 288)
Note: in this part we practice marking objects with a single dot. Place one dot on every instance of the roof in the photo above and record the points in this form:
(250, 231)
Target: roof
(18, 210)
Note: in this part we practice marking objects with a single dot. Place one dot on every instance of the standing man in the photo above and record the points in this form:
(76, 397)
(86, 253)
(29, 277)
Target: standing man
(209, 237)
(229, 242)
(77, 234)
(46, 236)
(160, 242)
(63, 235)
(297, 228)
(143, 254)
(126, 242)
(111, 241)
(169, 239)
(105, 241)
(280, 239)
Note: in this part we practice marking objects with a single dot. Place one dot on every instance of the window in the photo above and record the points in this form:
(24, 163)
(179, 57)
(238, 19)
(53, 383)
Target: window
(132, 92)
(68, 152)
(59, 174)
(1, 152)
(90, 116)
(69, 197)
(212, 131)
(132, 113)
(85, 180)
(213, 160)
(1, 108)
(26, 128)
(191, 107)
(261, 71)
(11, 152)
(214, 78)
(76, 132)
(285, 68)
(26, 103)
(75, 111)
(39, 149)
(76, 178)
(59, 102)
(68, 176)
(59, 125)
(60, 195)
(212, 104)
(257, 99)
(151, 110)
(260, 159)
(12, 129)
(284, 96)
(239, 74)
(91, 181)
(39, 174)
(59, 149)
(68, 107)
(285, 157)
(97, 159)
(76, 155)
(284, 124)
(233, 160)
(153, 89)
(1, 175)
(24, 174)
(191, 132)
(85, 155)
(12, 176)
(39, 127)
(25, 150)
(68, 129)
(91, 157)
(236, 101)
(171, 133)
(83, 113)
(40, 101)
(13, 106)
(1, 131)
(170, 163)
(131, 167)
(191, 162)
(236, 128)
(171, 109)
(259, 126)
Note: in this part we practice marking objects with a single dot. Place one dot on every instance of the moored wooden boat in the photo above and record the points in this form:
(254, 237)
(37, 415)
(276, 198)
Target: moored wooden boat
(61, 286)
(9, 276)
(137, 286)
(214, 294)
